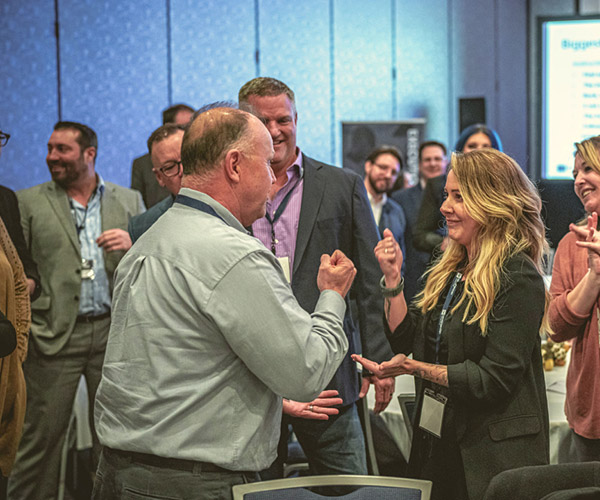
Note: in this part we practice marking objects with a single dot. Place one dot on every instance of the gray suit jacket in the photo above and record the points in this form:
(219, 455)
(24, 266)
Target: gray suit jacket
(52, 240)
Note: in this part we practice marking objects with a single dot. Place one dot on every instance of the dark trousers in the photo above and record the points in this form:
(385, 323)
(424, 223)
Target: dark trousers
(587, 450)
(334, 446)
(120, 477)
(51, 386)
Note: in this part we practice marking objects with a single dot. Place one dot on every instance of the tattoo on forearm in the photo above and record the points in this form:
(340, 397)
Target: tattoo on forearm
(433, 373)
(387, 308)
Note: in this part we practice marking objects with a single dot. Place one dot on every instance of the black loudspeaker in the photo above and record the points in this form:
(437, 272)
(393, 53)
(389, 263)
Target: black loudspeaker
(470, 110)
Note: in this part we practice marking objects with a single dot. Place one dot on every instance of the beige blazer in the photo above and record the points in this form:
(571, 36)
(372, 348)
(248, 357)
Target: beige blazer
(52, 240)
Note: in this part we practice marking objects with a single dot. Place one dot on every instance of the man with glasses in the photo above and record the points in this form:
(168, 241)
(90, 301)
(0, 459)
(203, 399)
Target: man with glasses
(9, 212)
(75, 226)
(142, 177)
(432, 163)
(382, 168)
(164, 147)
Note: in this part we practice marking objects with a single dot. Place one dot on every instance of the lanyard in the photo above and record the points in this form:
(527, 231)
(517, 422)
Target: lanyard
(74, 211)
(451, 292)
(278, 214)
(198, 205)
(81, 227)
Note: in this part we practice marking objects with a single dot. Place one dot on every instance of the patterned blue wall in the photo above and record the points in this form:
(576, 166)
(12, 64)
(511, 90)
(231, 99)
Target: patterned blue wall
(294, 42)
(28, 107)
(363, 62)
(114, 75)
(212, 44)
(424, 65)
(122, 62)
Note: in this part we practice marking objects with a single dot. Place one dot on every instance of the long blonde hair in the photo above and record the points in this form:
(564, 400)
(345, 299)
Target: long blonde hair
(589, 150)
(506, 205)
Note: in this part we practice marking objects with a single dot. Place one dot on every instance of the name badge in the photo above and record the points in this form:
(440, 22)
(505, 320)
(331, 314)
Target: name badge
(87, 269)
(432, 412)
(284, 262)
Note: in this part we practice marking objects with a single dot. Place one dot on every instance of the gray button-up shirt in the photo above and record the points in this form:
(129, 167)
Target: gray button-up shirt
(206, 338)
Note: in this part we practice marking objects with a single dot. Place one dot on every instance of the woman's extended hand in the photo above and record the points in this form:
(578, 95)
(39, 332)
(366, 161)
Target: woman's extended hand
(390, 259)
(398, 365)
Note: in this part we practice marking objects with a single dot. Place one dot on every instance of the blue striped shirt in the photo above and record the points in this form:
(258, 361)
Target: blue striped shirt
(94, 298)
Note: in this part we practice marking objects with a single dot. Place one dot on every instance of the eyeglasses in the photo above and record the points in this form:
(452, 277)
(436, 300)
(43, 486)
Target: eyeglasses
(386, 167)
(170, 169)
(4, 137)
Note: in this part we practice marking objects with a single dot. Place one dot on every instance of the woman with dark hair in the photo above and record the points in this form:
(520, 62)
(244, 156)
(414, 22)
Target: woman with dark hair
(474, 331)
(429, 232)
(574, 311)
(478, 136)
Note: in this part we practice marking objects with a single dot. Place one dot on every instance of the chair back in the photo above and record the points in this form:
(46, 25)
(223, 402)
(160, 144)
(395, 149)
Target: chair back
(408, 409)
(536, 481)
(366, 488)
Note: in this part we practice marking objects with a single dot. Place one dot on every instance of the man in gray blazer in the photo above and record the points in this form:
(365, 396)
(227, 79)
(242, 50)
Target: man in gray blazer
(76, 229)
(315, 209)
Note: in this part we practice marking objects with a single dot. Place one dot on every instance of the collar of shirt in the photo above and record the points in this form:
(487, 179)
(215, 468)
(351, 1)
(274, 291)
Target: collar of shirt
(283, 233)
(225, 214)
(377, 206)
(99, 191)
(294, 173)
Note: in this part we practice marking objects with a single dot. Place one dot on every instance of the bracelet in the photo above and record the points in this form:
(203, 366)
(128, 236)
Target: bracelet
(391, 292)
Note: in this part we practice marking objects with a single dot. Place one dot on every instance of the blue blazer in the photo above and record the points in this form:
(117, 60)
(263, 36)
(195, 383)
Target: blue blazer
(336, 214)
(393, 218)
(139, 224)
(415, 260)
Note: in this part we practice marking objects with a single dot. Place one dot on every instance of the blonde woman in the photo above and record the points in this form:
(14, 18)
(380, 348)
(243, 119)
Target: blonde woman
(574, 312)
(474, 331)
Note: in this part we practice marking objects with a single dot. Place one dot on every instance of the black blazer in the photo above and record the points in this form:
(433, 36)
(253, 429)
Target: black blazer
(496, 383)
(336, 214)
(11, 216)
(416, 261)
(393, 218)
(429, 230)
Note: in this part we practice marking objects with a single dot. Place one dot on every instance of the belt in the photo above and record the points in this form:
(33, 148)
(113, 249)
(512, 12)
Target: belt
(170, 463)
(90, 318)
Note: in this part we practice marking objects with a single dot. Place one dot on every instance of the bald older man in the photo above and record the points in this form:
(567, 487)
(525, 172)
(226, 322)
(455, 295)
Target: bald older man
(207, 336)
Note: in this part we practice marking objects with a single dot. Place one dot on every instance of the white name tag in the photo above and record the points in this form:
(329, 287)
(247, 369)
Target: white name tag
(432, 412)
(284, 262)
